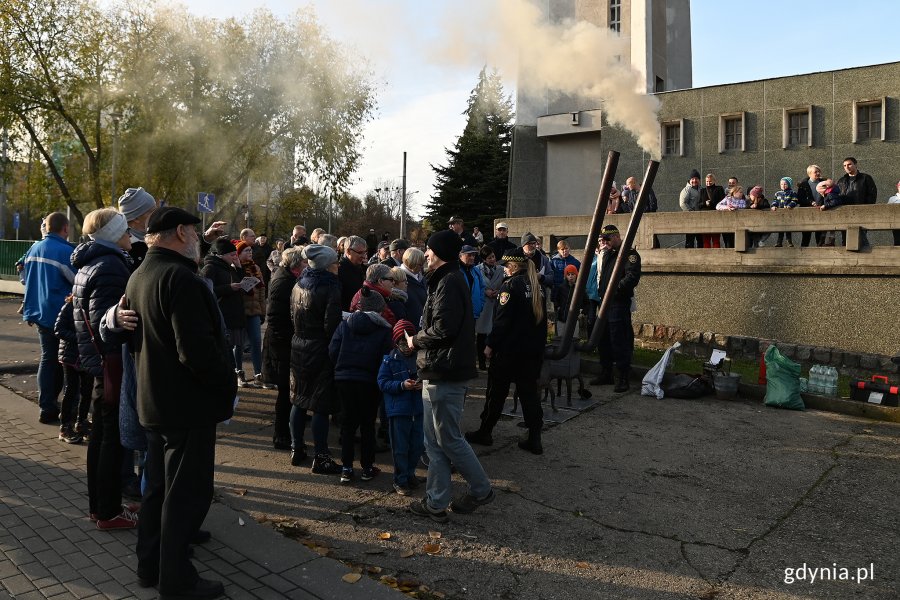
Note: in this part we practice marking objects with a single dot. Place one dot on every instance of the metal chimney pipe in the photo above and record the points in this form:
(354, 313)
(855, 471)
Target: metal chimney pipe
(627, 242)
(609, 175)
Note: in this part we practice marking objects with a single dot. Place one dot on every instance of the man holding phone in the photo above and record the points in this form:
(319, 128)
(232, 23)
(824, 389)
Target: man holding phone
(446, 367)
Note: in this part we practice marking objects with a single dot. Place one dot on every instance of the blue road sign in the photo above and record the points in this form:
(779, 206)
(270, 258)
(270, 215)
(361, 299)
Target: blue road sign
(206, 203)
(16, 221)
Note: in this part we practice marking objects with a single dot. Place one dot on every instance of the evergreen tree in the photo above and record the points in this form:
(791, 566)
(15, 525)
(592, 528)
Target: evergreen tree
(474, 182)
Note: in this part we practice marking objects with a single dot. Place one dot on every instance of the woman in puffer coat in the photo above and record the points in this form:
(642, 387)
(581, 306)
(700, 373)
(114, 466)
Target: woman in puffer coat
(277, 342)
(316, 314)
(103, 270)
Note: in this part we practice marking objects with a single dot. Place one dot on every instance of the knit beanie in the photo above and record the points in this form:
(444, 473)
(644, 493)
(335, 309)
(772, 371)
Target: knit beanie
(756, 191)
(222, 246)
(136, 202)
(570, 269)
(239, 245)
(370, 301)
(789, 180)
(320, 257)
(403, 326)
(446, 244)
(113, 230)
(528, 238)
(695, 173)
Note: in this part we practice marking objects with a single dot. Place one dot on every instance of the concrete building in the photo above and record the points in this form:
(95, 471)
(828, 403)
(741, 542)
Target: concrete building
(758, 131)
(659, 48)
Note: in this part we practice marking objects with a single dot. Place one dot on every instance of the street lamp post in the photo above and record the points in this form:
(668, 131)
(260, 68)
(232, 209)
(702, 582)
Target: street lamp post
(116, 117)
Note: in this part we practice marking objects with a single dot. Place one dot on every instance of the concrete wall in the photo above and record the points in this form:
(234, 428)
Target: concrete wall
(820, 297)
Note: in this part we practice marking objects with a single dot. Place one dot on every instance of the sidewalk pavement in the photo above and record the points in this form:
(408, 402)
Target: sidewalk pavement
(50, 549)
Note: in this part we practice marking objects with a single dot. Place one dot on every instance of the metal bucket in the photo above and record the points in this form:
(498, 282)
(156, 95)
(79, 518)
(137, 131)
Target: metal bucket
(726, 385)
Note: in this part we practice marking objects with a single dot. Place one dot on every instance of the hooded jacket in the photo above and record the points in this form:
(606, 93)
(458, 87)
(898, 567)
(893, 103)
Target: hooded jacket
(103, 272)
(358, 345)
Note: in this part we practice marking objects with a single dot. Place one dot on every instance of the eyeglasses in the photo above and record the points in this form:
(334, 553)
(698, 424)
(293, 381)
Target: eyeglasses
(388, 279)
(358, 251)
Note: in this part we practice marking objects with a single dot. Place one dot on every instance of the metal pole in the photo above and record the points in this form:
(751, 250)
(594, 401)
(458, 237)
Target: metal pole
(609, 173)
(3, 163)
(627, 242)
(403, 202)
(115, 156)
(247, 216)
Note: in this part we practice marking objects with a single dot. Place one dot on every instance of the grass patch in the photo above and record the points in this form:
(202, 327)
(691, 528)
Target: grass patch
(748, 369)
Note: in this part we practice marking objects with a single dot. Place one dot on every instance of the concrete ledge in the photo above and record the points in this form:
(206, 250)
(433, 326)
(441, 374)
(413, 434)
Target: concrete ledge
(11, 286)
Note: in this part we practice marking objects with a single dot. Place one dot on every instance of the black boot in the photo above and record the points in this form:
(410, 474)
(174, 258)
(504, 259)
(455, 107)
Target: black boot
(621, 381)
(298, 456)
(533, 442)
(480, 436)
(605, 377)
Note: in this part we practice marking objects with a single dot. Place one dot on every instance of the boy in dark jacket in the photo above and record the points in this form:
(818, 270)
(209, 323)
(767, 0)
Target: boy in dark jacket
(77, 383)
(402, 391)
(356, 350)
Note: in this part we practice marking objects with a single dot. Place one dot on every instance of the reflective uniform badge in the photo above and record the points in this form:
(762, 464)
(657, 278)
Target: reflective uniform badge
(632, 259)
(504, 297)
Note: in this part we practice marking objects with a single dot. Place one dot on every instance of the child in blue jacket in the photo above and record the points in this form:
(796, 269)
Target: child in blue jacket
(403, 403)
(356, 350)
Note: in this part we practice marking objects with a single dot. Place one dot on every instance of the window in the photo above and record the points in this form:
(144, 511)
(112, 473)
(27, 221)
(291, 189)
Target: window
(731, 132)
(868, 120)
(672, 139)
(660, 85)
(615, 15)
(797, 127)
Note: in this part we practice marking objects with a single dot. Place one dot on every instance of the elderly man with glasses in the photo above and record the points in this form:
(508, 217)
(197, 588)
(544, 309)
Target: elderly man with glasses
(352, 270)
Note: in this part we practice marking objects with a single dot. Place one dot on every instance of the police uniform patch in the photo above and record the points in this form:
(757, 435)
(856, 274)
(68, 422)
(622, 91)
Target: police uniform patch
(632, 259)
(504, 297)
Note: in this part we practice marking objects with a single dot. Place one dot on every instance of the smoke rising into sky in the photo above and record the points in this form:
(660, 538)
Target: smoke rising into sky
(575, 58)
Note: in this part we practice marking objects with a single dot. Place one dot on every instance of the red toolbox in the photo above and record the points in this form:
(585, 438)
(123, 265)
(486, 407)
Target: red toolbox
(876, 391)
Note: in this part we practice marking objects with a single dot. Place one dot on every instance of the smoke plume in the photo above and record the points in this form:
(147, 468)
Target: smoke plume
(573, 57)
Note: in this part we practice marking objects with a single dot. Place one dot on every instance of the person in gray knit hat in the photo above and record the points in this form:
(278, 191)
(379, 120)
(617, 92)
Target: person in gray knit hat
(320, 257)
(137, 206)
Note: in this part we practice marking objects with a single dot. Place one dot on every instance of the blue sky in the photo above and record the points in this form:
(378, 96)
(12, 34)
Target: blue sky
(421, 99)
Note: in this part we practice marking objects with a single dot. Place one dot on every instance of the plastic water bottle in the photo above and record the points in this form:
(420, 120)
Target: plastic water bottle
(815, 379)
(831, 389)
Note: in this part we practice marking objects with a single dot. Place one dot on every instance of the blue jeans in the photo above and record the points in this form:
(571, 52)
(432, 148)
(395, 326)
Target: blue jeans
(445, 444)
(407, 444)
(236, 338)
(254, 337)
(50, 373)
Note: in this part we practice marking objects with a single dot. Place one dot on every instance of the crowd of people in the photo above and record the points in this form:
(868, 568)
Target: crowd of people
(146, 327)
(813, 191)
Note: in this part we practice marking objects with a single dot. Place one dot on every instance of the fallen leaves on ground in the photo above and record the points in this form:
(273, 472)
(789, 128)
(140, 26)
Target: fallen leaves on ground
(240, 492)
(583, 565)
(384, 536)
(407, 553)
(352, 577)
(435, 535)
(432, 549)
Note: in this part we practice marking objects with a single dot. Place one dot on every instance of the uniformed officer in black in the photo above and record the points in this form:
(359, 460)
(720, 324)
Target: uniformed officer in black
(617, 341)
(515, 347)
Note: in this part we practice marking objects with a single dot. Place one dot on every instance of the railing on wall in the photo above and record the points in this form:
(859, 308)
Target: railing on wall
(10, 252)
(850, 221)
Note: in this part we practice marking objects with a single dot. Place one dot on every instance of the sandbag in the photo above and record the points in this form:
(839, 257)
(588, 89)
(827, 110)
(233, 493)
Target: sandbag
(651, 385)
(782, 381)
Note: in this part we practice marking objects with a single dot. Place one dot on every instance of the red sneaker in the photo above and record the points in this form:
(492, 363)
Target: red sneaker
(124, 520)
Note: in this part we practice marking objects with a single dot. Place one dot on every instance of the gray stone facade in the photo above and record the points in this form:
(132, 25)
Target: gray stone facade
(832, 97)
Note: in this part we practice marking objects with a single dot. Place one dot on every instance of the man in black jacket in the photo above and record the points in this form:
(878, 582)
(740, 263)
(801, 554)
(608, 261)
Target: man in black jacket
(501, 243)
(617, 342)
(352, 270)
(185, 386)
(857, 188)
(446, 367)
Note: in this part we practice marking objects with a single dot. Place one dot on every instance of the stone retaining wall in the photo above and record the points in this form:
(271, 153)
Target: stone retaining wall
(701, 344)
